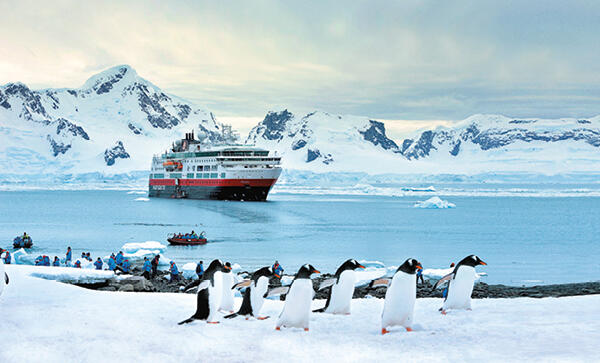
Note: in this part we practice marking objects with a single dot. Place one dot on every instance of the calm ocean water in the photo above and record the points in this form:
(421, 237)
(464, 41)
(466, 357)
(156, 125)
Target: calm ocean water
(525, 240)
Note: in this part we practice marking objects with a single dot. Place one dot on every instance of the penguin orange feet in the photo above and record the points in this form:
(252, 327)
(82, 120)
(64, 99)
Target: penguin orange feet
(384, 331)
(262, 317)
(247, 318)
(409, 329)
(277, 328)
(212, 322)
(305, 329)
(443, 312)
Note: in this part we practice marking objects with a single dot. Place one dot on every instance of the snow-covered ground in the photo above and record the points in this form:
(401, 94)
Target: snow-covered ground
(54, 322)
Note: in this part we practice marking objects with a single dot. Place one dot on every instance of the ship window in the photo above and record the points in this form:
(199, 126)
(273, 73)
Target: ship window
(214, 167)
(206, 167)
(159, 176)
(175, 175)
(199, 175)
(190, 175)
(214, 175)
(206, 175)
(223, 175)
(199, 167)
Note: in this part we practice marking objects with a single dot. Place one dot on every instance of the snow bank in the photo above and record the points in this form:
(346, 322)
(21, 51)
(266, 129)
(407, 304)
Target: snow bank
(522, 327)
(434, 203)
(67, 274)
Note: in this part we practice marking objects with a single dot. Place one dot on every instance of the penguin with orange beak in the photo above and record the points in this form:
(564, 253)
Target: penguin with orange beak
(400, 297)
(460, 284)
(296, 309)
(341, 289)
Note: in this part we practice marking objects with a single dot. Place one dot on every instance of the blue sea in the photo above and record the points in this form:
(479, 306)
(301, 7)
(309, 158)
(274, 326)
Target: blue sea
(524, 240)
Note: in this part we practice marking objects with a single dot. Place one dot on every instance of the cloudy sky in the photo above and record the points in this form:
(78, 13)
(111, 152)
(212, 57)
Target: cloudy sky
(423, 61)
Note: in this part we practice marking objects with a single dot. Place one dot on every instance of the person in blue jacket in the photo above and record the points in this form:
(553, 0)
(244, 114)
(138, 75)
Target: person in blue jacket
(125, 266)
(277, 270)
(174, 272)
(119, 258)
(98, 264)
(56, 262)
(46, 260)
(199, 270)
(77, 264)
(69, 256)
(7, 258)
(112, 264)
(147, 268)
(420, 276)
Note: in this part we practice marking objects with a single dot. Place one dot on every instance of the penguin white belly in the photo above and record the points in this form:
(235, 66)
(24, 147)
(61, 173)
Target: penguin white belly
(215, 294)
(296, 310)
(227, 298)
(460, 289)
(2, 277)
(257, 294)
(399, 304)
(341, 294)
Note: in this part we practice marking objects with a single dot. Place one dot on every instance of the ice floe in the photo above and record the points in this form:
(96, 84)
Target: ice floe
(434, 203)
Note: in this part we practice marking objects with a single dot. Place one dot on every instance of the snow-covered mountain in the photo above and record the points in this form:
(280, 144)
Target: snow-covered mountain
(117, 120)
(112, 124)
(320, 141)
(479, 144)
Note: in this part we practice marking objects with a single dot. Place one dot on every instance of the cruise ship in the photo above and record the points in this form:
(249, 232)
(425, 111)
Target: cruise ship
(193, 169)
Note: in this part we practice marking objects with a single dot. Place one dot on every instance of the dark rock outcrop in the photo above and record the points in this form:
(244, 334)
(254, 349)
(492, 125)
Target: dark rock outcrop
(375, 134)
(116, 152)
(57, 148)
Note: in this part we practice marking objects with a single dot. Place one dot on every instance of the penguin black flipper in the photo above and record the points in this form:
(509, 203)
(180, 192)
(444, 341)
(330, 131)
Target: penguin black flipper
(282, 290)
(322, 310)
(327, 283)
(192, 285)
(448, 277)
(6, 278)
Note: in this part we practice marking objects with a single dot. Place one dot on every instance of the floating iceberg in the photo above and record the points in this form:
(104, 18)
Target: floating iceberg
(434, 203)
(148, 245)
(189, 271)
(377, 264)
(142, 199)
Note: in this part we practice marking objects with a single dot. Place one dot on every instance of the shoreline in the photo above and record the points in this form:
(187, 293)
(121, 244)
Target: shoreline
(481, 290)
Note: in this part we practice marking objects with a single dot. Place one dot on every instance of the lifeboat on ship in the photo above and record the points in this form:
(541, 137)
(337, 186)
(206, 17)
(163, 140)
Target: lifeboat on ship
(187, 239)
(173, 165)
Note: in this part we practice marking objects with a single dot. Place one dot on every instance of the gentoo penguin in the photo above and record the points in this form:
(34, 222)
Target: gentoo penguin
(460, 285)
(209, 294)
(342, 289)
(227, 298)
(296, 308)
(255, 293)
(3, 276)
(400, 296)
